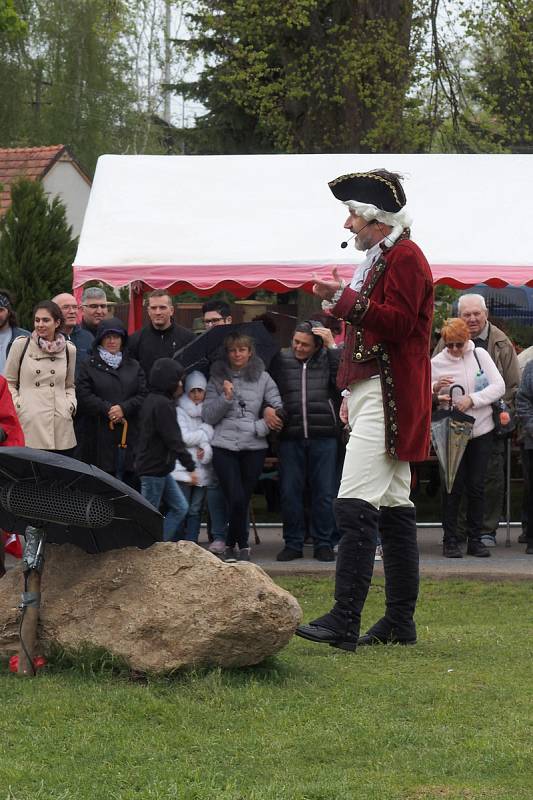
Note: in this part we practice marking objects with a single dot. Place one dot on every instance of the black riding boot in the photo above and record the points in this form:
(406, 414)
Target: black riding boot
(357, 522)
(397, 527)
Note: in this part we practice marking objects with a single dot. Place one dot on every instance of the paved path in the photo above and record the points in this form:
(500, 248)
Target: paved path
(504, 562)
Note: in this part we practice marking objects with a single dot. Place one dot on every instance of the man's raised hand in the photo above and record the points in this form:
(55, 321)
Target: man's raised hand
(325, 289)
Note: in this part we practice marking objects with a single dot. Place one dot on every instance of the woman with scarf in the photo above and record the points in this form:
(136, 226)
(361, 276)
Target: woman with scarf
(111, 389)
(40, 375)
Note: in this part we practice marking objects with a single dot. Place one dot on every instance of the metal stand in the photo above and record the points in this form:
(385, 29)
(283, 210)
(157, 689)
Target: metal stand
(33, 559)
(508, 490)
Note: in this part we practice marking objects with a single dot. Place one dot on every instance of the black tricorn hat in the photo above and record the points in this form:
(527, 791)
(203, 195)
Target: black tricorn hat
(371, 188)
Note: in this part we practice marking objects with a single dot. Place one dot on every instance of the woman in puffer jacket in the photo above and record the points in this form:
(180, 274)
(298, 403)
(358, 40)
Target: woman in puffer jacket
(238, 391)
(196, 435)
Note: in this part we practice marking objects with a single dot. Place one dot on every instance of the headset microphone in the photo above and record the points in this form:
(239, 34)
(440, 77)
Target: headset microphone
(345, 244)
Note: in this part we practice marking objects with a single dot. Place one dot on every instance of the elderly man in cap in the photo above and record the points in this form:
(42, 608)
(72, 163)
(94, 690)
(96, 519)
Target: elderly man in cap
(385, 376)
(8, 327)
(473, 310)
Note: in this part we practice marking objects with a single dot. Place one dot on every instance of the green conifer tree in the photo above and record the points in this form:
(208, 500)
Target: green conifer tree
(36, 248)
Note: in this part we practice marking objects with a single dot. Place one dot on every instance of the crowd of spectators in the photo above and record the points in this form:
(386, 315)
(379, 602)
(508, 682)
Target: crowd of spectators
(195, 441)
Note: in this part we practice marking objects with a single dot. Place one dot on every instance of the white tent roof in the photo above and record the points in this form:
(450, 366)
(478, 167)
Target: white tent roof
(221, 221)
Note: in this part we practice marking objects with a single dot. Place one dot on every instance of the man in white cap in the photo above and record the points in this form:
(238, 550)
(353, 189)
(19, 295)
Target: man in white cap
(385, 376)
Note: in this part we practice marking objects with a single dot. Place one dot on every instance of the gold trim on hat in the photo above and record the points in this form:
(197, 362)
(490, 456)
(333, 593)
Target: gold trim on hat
(368, 175)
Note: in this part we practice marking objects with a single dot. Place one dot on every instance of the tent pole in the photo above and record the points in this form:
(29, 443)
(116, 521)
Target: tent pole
(135, 313)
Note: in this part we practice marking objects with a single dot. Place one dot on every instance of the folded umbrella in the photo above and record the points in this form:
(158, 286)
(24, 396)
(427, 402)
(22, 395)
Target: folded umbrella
(451, 431)
(121, 451)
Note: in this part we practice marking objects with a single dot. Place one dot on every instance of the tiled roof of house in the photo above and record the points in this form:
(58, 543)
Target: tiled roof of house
(29, 162)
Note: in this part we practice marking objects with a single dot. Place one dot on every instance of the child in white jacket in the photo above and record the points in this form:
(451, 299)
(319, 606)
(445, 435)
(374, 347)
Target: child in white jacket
(197, 436)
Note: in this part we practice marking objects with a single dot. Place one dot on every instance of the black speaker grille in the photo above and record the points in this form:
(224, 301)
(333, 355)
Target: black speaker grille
(49, 503)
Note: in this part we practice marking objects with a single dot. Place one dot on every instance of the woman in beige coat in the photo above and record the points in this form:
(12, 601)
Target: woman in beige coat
(40, 375)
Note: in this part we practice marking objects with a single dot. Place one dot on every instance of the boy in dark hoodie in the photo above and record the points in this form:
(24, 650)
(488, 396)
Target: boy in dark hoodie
(160, 444)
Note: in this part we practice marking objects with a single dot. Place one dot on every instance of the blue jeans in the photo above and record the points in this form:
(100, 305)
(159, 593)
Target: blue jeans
(218, 511)
(156, 489)
(194, 495)
(313, 461)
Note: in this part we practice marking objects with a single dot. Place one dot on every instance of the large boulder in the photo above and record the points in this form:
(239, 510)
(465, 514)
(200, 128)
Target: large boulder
(172, 605)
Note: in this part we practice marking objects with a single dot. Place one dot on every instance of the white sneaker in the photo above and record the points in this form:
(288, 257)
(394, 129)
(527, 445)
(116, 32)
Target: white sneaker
(379, 553)
(489, 540)
(217, 547)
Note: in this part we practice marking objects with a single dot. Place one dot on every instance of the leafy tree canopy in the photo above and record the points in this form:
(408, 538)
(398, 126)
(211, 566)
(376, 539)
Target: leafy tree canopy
(303, 76)
(10, 23)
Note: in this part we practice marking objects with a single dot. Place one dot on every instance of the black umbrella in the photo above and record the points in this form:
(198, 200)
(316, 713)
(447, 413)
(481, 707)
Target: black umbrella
(74, 502)
(209, 347)
(50, 497)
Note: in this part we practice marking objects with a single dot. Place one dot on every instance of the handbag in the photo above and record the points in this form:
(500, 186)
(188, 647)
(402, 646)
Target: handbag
(502, 416)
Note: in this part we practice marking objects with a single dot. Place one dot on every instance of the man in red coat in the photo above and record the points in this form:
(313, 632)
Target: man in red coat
(385, 377)
(10, 436)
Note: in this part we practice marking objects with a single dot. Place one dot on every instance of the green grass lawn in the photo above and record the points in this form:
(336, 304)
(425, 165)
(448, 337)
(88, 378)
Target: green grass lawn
(449, 718)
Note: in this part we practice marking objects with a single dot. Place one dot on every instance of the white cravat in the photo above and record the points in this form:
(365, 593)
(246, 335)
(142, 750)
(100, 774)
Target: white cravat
(359, 275)
(365, 266)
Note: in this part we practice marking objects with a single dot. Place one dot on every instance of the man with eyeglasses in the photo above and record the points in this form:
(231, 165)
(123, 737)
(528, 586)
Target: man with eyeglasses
(386, 377)
(473, 310)
(161, 337)
(94, 308)
(216, 312)
(80, 337)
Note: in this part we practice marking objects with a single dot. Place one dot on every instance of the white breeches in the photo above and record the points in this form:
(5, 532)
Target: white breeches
(369, 473)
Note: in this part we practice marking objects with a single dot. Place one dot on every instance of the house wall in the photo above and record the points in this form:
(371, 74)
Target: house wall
(64, 181)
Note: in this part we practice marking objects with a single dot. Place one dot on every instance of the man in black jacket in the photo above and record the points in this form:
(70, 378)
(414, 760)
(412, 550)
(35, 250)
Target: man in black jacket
(94, 308)
(306, 374)
(160, 444)
(161, 338)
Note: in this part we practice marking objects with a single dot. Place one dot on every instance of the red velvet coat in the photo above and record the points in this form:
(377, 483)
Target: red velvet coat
(389, 326)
